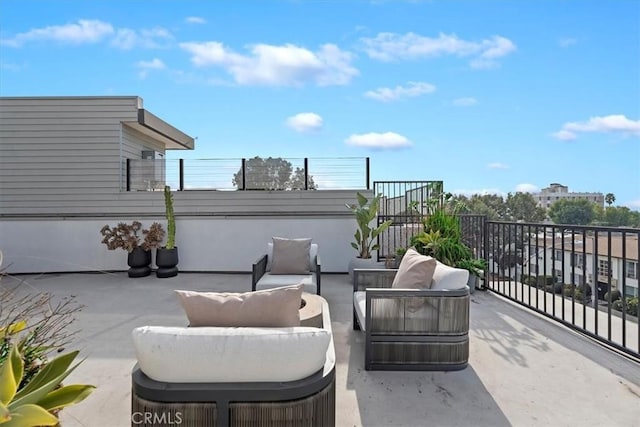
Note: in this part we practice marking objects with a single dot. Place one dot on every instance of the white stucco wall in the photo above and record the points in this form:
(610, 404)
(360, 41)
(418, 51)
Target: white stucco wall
(205, 243)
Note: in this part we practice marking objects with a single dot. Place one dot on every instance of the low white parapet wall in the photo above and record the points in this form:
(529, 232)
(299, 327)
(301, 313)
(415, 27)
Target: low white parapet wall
(206, 243)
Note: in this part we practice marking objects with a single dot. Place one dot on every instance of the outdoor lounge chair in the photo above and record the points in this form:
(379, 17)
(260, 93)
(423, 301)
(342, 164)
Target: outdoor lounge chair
(263, 277)
(399, 337)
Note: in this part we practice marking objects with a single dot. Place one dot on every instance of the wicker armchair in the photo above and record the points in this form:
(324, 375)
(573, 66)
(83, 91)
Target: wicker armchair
(410, 329)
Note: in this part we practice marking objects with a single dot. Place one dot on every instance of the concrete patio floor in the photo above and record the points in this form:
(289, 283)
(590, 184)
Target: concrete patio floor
(524, 369)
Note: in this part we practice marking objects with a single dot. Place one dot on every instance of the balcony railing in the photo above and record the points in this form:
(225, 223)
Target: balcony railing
(584, 277)
(247, 174)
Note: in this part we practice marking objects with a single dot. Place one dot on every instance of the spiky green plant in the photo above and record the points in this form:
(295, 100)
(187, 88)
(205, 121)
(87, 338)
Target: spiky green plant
(33, 405)
(171, 221)
(365, 212)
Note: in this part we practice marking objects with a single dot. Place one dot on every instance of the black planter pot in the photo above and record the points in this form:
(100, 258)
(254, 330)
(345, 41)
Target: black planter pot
(167, 261)
(139, 261)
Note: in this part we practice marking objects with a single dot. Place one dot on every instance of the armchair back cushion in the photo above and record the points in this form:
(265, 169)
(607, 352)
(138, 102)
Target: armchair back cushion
(290, 256)
(277, 307)
(313, 253)
(415, 271)
(446, 277)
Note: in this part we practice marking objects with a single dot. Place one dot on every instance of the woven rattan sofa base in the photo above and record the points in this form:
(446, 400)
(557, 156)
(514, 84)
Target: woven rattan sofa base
(306, 402)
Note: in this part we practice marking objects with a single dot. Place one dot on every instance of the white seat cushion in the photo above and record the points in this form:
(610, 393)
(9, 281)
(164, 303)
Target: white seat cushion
(360, 304)
(269, 281)
(212, 354)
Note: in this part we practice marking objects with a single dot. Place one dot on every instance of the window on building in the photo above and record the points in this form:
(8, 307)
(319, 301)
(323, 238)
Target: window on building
(558, 255)
(631, 269)
(577, 260)
(558, 274)
(577, 279)
(603, 268)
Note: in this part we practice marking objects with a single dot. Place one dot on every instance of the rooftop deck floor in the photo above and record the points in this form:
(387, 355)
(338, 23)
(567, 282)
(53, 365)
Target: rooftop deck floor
(524, 369)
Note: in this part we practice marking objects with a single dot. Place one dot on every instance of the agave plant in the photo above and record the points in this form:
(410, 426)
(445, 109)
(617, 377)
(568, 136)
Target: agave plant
(36, 403)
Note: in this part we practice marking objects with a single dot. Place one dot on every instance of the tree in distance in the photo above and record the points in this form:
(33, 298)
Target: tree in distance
(272, 173)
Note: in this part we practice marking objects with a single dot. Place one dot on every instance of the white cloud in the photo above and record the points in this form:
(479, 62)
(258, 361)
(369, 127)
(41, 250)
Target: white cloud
(634, 204)
(617, 123)
(567, 41)
(465, 102)
(412, 89)
(387, 140)
(127, 38)
(195, 20)
(9, 66)
(527, 188)
(84, 31)
(286, 65)
(93, 31)
(564, 135)
(391, 46)
(497, 165)
(145, 66)
(305, 122)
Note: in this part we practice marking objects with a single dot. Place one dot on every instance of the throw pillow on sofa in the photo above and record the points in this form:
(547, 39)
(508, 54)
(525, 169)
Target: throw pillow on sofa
(277, 307)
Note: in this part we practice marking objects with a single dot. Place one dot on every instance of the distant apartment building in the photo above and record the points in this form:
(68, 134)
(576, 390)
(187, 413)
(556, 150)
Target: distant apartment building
(555, 192)
(603, 263)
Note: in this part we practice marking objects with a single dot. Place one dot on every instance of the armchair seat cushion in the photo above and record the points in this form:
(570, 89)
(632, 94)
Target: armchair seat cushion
(269, 281)
(217, 354)
(360, 305)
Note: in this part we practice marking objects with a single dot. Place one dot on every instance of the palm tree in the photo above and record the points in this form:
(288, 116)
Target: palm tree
(609, 198)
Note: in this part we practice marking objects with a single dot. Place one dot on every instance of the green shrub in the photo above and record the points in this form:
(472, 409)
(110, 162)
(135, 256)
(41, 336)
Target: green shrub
(631, 305)
(614, 294)
(568, 290)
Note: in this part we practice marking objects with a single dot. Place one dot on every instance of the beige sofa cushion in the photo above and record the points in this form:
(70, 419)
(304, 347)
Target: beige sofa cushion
(277, 307)
(290, 256)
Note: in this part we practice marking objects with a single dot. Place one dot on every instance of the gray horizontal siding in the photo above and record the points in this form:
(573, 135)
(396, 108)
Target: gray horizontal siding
(53, 148)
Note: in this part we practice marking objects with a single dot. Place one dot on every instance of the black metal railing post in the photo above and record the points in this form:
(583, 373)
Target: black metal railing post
(367, 175)
(306, 173)
(244, 174)
(128, 174)
(181, 169)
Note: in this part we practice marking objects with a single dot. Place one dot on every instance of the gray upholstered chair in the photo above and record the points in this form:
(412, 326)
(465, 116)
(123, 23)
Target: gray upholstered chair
(263, 278)
(398, 336)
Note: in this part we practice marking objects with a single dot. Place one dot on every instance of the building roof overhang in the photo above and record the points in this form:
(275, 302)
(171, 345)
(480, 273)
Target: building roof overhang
(158, 129)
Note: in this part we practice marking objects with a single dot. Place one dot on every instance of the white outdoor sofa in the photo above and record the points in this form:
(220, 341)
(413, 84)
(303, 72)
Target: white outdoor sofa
(220, 376)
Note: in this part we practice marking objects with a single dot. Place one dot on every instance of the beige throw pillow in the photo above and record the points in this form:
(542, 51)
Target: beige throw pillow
(415, 272)
(276, 308)
(290, 256)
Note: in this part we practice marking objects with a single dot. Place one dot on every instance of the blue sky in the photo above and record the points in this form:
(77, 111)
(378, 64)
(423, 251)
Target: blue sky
(489, 96)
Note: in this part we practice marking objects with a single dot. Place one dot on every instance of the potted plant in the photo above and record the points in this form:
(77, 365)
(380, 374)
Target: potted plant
(365, 212)
(127, 236)
(442, 239)
(167, 256)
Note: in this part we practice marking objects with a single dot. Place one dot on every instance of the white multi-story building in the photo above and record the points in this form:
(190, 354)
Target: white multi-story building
(555, 192)
(601, 263)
